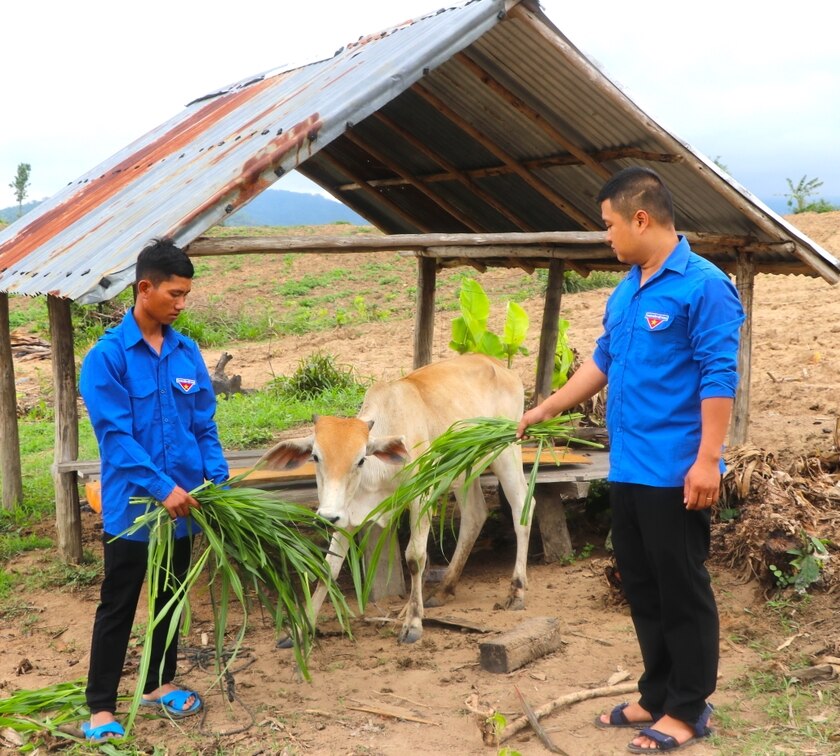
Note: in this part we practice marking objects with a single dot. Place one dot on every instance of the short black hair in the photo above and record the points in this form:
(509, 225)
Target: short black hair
(161, 259)
(638, 188)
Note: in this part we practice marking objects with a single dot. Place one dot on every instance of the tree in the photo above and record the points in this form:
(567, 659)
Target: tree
(21, 185)
(799, 194)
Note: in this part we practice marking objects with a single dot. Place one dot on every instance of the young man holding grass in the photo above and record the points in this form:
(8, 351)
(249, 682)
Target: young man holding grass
(669, 353)
(151, 404)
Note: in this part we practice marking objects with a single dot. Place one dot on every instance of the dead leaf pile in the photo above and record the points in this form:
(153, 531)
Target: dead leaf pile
(767, 511)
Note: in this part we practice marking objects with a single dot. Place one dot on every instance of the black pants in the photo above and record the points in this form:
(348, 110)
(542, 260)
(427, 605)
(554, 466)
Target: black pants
(660, 550)
(125, 571)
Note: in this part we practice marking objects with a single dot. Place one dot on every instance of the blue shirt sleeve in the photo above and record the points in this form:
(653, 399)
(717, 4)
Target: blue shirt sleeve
(204, 425)
(715, 317)
(109, 407)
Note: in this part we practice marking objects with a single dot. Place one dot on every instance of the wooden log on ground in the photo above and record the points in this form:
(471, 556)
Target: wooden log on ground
(531, 639)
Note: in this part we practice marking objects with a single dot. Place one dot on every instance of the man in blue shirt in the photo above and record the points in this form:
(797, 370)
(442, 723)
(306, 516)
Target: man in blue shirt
(668, 353)
(151, 404)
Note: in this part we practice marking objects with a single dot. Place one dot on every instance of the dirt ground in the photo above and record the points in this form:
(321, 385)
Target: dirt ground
(430, 689)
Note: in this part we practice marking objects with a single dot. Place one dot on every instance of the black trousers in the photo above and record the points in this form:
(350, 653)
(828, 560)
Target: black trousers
(125, 571)
(661, 549)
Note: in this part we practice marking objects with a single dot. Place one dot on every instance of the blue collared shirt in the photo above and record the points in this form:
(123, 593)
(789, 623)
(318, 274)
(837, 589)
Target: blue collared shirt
(153, 419)
(666, 346)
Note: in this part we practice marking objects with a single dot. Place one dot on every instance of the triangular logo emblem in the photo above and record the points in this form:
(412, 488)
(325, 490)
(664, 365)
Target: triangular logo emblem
(655, 319)
(186, 384)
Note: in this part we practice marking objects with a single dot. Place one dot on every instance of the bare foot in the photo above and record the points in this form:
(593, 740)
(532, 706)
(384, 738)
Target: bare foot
(633, 712)
(100, 718)
(163, 690)
(677, 729)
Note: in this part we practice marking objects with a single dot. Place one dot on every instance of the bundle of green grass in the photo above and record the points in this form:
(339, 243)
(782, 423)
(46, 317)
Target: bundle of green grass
(466, 450)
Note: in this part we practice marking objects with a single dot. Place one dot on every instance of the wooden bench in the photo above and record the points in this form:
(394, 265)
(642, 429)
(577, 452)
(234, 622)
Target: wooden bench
(563, 475)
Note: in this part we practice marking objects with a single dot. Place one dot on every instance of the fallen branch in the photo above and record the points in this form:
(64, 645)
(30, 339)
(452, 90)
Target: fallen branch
(567, 700)
(394, 712)
(537, 727)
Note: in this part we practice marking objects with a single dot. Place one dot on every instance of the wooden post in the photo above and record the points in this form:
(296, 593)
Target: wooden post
(67, 514)
(745, 282)
(424, 318)
(10, 475)
(549, 331)
(389, 579)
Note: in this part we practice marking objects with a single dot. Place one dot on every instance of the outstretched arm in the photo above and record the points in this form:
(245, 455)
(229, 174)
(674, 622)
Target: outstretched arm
(585, 382)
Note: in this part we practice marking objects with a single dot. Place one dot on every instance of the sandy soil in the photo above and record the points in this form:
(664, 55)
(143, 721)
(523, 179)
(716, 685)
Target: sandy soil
(794, 411)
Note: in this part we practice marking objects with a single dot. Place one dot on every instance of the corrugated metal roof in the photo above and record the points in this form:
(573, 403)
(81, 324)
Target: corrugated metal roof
(468, 119)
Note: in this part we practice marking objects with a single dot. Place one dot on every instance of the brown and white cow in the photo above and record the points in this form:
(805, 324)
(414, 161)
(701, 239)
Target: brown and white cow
(355, 456)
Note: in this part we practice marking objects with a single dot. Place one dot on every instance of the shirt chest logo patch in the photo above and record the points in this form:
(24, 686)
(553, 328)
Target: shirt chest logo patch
(186, 384)
(656, 319)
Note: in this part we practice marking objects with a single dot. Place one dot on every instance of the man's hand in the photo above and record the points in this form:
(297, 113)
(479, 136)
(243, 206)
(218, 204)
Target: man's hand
(702, 485)
(178, 503)
(532, 416)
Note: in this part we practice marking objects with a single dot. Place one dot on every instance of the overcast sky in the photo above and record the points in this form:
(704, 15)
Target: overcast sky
(757, 89)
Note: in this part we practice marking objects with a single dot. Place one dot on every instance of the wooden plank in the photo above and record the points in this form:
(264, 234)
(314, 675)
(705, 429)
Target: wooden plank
(244, 245)
(530, 640)
(10, 472)
(67, 513)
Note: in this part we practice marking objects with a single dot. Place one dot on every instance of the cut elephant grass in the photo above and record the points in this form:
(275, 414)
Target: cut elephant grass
(23, 713)
(465, 450)
(253, 545)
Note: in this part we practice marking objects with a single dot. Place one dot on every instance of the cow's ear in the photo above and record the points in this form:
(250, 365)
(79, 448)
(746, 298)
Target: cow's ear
(390, 449)
(288, 454)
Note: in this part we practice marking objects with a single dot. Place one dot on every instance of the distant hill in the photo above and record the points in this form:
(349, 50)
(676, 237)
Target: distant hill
(274, 207)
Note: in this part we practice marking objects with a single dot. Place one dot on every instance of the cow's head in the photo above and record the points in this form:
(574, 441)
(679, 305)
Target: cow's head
(338, 447)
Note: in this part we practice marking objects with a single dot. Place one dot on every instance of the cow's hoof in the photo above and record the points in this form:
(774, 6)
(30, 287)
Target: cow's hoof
(411, 634)
(515, 604)
(285, 642)
(434, 600)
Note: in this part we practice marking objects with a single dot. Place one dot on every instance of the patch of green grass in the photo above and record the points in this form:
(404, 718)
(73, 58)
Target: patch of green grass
(12, 544)
(216, 326)
(800, 718)
(5, 584)
(253, 420)
(308, 283)
(58, 574)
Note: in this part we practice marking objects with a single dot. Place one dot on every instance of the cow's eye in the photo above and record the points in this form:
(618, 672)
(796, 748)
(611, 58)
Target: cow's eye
(361, 462)
(314, 458)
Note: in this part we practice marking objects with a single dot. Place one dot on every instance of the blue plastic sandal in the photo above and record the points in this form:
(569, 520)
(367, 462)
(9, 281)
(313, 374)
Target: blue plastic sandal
(103, 733)
(619, 719)
(173, 703)
(668, 743)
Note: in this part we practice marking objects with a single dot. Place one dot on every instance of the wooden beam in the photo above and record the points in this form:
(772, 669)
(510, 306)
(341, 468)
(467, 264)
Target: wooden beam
(394, 167)
(424, 317)
(541, 163)
(529, 178)
(10, 473)
(206, 246)
(549, 330)
(377, 195)
(532, 114)
(745, 282)
(453, 172)
(67, 515)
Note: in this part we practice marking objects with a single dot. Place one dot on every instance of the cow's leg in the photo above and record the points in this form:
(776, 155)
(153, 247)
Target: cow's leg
(335, 559)
(508, 469)
(473, 516)
(415, 557)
